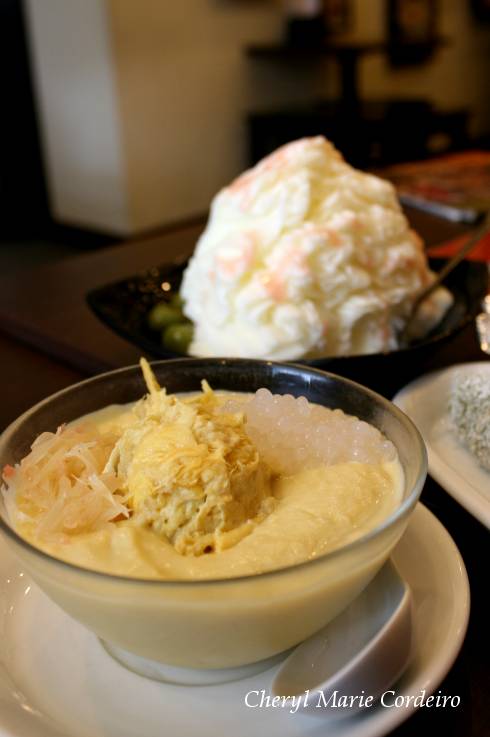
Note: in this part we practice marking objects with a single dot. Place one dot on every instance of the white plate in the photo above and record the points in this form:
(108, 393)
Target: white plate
(57, 680)
(425, 401)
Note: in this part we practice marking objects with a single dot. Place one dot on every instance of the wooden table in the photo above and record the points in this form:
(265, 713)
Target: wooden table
(51, 339)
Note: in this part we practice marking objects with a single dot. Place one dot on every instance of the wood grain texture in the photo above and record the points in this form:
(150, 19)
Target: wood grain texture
(46, 308)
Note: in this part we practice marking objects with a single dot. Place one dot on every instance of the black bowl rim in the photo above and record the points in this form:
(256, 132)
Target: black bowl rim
(400, 512)
(432, 339)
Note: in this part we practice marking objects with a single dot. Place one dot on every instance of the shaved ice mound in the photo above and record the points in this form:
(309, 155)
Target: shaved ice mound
(304, 256)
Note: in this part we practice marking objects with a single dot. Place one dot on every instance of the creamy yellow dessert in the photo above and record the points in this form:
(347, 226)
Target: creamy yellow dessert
(211, 485)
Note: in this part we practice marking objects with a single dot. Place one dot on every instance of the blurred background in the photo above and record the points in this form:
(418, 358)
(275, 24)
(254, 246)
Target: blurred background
(124, 118)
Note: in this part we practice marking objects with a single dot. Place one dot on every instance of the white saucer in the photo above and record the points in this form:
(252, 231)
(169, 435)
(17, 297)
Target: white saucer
(425, 401)
(56, 680)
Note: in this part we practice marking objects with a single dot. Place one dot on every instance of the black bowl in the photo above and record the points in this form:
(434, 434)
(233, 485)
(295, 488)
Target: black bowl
(124, 307)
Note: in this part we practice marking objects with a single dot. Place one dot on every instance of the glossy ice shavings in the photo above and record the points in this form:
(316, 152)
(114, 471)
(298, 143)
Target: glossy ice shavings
(292, 434)
(469, 408)
(305, 256)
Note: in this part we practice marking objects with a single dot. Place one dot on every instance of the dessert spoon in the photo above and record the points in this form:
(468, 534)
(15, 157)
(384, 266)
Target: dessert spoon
(360, 653)
(405, 335)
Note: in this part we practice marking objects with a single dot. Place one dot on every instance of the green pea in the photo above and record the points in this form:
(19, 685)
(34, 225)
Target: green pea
(163, 314)
(176, 300)
(177, 337)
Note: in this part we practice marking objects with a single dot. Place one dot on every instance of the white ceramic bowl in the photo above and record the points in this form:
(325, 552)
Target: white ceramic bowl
(216, 624)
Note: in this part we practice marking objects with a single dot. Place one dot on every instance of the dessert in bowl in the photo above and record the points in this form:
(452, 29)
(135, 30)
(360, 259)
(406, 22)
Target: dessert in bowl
(188, 611)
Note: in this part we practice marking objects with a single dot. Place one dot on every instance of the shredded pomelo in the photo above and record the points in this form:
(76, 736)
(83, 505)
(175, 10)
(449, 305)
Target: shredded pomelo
(61, 488)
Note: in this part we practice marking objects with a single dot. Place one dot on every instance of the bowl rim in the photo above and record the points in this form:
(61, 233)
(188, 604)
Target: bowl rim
(476, 269)
(401, 511)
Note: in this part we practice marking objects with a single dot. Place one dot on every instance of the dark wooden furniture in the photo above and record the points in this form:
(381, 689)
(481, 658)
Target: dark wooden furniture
(368, 132)
(347, 54)
(374, 133)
